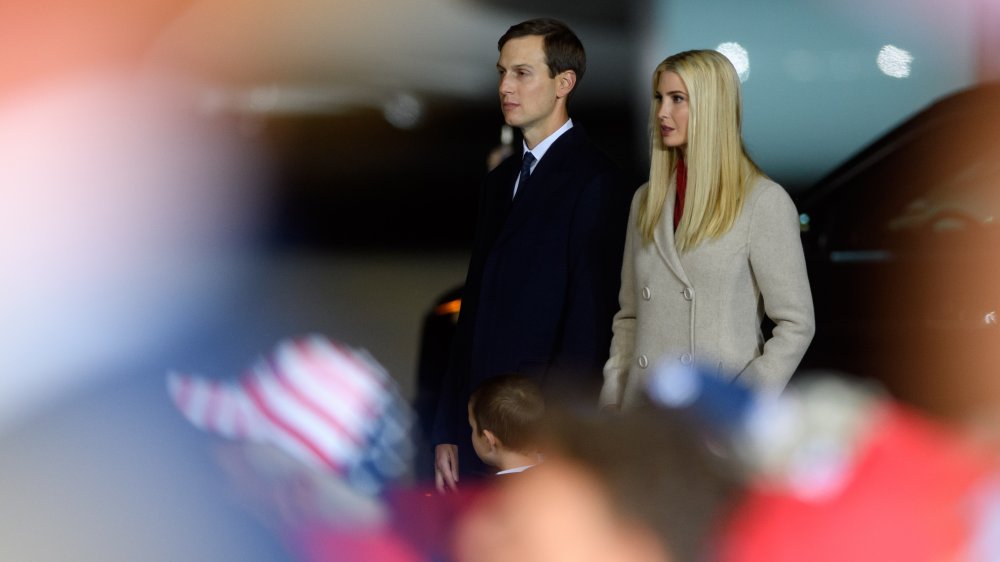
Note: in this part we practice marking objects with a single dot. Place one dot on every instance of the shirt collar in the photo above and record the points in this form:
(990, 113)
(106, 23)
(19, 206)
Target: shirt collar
(542, 147)
(520, 468)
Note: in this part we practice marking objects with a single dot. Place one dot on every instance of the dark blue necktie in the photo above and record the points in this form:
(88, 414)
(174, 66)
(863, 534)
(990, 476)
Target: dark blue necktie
(526, 163)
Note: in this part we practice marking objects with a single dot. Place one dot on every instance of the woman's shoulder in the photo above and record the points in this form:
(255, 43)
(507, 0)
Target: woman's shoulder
(640, 194)
(762, 185)
(764, 190)
(769, 203)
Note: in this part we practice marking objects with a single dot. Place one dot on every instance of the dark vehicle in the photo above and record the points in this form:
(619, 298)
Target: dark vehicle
(902, 246)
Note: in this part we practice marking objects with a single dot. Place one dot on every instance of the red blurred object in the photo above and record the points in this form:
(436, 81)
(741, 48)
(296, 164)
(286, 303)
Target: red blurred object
(421, 529)
(908, 499)
(45, 38)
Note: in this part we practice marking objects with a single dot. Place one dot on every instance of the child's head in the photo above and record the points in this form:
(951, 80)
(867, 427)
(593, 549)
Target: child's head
(505, 413)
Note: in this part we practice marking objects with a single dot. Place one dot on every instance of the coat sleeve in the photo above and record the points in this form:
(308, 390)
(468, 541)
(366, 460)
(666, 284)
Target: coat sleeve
(623, 325)
(450, 415)
(779, 268)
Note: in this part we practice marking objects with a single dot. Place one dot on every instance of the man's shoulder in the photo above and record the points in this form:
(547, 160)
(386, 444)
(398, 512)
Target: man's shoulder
(587, 154)
(500, 179)
(509, 166)
(580, 166)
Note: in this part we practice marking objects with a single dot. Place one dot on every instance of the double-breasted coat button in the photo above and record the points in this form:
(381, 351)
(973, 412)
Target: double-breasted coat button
(643, 361)
(646, 293)
(688, 293)
(686, 359)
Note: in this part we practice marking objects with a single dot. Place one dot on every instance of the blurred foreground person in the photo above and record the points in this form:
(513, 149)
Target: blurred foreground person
(126, 221)
(840, 472)
(835, 470)
(636, 487)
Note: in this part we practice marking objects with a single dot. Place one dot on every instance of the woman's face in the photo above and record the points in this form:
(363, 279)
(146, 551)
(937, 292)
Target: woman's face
(672, 109)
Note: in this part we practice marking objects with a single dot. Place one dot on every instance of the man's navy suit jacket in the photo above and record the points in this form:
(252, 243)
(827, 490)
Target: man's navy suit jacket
(543, 279)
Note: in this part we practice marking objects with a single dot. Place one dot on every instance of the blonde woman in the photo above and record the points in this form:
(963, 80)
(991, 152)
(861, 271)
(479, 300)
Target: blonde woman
(712, 245)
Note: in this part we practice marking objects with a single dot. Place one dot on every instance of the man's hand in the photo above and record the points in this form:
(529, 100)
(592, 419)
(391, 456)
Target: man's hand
(446, 467)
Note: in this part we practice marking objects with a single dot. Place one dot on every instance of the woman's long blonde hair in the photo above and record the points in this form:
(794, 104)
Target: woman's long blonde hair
(719, 168)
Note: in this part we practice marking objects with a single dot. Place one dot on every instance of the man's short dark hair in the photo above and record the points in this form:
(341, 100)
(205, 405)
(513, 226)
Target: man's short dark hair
(563, 49)
(511, 407)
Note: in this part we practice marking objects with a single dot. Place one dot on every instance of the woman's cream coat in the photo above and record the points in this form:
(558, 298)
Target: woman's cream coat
(706, 306)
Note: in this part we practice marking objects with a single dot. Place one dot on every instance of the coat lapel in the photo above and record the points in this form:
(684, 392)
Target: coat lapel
(497, 203)
(663, 236)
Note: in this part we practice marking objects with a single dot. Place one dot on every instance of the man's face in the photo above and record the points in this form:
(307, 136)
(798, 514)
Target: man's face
(528, 93)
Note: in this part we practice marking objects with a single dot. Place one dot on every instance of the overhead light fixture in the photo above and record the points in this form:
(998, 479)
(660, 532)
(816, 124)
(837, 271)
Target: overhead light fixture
(403, 110)
(894, 62)
(738, 56)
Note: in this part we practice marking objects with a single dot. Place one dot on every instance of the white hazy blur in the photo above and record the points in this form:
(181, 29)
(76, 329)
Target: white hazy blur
(123, 212)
